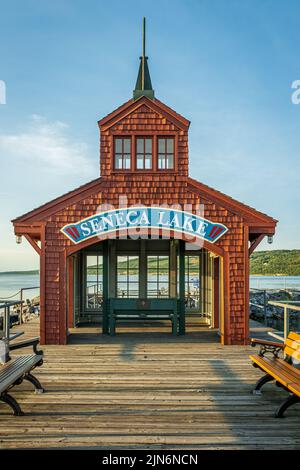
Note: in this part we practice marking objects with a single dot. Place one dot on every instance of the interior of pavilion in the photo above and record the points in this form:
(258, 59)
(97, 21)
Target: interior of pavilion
(154, 271)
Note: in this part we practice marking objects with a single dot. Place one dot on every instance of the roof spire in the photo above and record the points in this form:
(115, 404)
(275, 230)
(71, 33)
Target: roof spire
(143, 85)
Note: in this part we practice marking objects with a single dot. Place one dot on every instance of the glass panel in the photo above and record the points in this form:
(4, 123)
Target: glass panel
(148, 146)
(148, 162)
(161, 145)
(163, 289)
(127, 276)
(94, 282)
(118, 162)
(170, 161)
(122, 289)
(118, 145)
(122, 263)
(161, 162)
(126, 146)
(170, 145)
(140, 161)
(140, 145)
(158, 276)
(192, 283)
(127, 161)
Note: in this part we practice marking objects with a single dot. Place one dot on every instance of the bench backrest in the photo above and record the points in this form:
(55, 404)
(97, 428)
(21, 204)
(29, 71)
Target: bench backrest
(292, 347)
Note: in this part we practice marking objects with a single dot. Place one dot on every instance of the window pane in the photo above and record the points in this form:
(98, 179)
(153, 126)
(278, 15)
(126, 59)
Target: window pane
(161, 162)
(119, 162)
(126, 146)
(118, 145)
(140, 162)
(170, 161)
(122, 289)
(148, 145)
(140, 145)
(94, 282)
(161, 146)
(170, 145)
(127, 161)
(148, 162)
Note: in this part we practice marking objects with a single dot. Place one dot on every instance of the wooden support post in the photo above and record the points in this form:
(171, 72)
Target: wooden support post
(216, 292)
(105, 321)
(70, 294)
(181, 287)
(112, 268)
(173, 268)
(143, 270)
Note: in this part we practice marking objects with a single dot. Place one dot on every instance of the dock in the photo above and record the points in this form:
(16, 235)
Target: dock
(146, 389)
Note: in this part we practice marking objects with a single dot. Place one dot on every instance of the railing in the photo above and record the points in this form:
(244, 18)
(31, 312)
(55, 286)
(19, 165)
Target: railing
(262, 306)
(287, 306)
(20, 293)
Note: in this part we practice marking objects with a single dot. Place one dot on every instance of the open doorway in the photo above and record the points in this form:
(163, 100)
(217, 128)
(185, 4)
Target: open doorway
(135, 270)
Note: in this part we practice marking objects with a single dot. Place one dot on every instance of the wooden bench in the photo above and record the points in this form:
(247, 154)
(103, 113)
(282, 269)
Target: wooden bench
(283, 370)
(143, 309)
(18, 369)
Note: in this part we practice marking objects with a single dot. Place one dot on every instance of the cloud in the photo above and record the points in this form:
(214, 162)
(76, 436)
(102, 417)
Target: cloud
(47, 145)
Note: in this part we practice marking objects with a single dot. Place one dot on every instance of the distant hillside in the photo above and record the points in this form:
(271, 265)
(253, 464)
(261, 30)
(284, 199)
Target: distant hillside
(34, 271)
(274, 262)
(283, 262)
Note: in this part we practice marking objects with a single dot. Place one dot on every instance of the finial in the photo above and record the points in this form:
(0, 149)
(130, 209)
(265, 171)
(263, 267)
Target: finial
(143, 85)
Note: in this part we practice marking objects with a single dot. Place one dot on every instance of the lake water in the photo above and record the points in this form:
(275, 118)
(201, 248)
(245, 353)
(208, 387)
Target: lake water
(11, 284)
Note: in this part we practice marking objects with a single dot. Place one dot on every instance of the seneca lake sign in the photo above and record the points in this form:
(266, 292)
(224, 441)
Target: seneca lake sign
(156, 218)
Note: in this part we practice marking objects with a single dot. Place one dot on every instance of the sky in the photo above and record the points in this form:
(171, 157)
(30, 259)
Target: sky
(226, 65)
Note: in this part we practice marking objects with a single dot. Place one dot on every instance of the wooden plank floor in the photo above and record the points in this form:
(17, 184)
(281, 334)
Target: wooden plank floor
(146, 389)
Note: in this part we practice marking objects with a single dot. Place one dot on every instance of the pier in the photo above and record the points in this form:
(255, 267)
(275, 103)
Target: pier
(135, 391)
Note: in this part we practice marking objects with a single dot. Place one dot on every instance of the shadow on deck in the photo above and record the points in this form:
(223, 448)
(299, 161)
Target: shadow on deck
(148, 390)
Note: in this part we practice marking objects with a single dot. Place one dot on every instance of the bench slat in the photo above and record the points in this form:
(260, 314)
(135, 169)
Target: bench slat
(289, 367)
(294, 336)
(295, 354)
(13, 370)
(295, 388)
(271, 366)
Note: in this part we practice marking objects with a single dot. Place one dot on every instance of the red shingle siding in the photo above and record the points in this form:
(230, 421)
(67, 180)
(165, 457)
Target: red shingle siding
(158, 191)
(143, 119)
(157, 188)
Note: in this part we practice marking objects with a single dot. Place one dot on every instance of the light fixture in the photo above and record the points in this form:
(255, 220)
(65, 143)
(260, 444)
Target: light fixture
(270, 239)
(19, 239)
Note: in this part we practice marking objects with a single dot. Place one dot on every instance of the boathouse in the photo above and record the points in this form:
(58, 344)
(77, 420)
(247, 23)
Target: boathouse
(144, 241)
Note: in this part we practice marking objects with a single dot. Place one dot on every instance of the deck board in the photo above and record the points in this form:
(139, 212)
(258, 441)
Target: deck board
(146, 389)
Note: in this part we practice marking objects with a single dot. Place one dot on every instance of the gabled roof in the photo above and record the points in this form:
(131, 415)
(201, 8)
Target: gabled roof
(251, 215)
(231, 204)
(61, 201)
(154, 104)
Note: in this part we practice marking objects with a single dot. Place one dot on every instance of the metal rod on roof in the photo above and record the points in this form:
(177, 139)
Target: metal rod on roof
(143, 53)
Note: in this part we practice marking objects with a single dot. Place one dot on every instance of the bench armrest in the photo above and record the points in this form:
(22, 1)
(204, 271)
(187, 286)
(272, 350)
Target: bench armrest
(267, 346)
(34, 342)
(255, 341)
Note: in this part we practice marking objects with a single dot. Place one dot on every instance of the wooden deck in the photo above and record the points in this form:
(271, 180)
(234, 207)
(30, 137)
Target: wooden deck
(148, 390)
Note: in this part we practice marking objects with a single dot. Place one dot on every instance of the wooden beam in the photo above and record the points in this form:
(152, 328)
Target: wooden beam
(105, 326)
(43, 286)
(216, 292)
(255, 243)
(70, 293)
(62, 298)
(246, 286)
(182, 286)
(33, 243)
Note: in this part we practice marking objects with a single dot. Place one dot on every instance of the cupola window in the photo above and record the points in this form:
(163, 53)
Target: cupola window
(165, 153)
(143, 153)
(122, 152)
